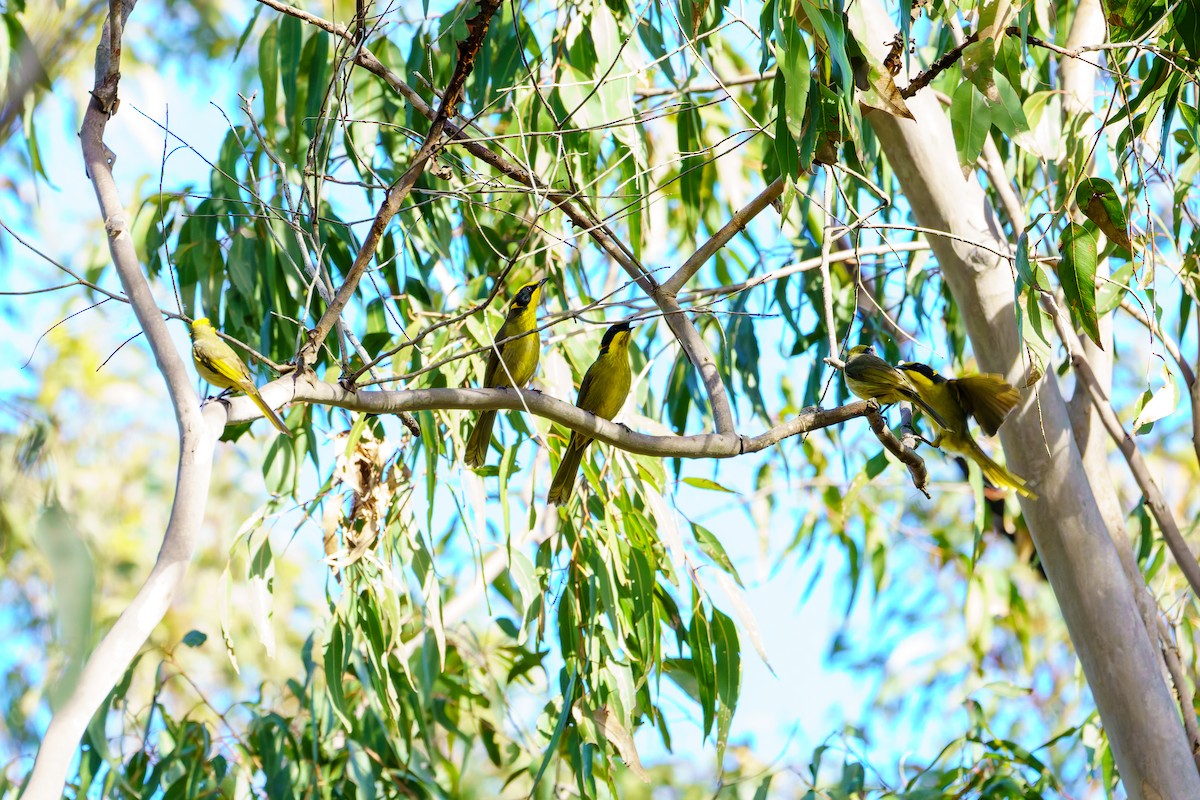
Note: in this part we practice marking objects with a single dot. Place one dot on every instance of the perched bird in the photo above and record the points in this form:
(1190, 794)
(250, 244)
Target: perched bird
(520, 362)
(603, 391)
(989, 398)
(218, 364)
(869, 376)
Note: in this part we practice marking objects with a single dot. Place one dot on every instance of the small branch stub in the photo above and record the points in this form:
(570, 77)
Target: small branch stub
(907, 455)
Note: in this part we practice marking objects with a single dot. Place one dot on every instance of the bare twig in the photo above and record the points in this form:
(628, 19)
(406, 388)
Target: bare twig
(1187, 703)
(704, 88)
(1172, 347)
(806, 265)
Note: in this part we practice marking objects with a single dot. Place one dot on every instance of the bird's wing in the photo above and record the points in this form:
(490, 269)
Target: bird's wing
(220, 359)
(587, 390)
(989, 398)
(494, 370)
(493, 364)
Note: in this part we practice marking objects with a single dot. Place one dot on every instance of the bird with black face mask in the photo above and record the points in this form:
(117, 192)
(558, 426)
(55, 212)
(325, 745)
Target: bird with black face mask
(510, 363)
(988, 398)
(603, 391)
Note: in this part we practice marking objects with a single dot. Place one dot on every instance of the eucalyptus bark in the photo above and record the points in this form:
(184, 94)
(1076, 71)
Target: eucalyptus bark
(1120, 661)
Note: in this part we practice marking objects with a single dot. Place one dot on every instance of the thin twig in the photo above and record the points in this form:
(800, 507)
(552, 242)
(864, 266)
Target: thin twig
(1185, 698)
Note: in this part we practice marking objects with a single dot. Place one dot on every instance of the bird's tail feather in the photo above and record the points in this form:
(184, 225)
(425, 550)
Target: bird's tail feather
(568, 468)
(269, 413)
(998, 474)
(481, 437)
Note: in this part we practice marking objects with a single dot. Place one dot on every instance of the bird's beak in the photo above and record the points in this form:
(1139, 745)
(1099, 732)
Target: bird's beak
(543, 281)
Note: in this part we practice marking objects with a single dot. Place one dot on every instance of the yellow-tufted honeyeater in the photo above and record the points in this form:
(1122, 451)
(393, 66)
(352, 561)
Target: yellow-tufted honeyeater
(218, 364)
(520, 361)
(869, 376)
(603, 391)
(988, 398)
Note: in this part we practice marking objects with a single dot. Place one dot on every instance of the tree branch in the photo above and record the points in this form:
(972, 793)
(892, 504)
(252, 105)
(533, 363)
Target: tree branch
(1187, 701)
(306, 389)
(112, 656)
(685, 332)
(1115, 649)
(901, 450)
(468, 49)
(736, 224)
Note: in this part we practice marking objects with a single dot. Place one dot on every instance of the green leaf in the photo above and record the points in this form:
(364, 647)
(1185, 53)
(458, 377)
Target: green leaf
(786, 151)
(1007, 114)
(1099, 201)
(362, 771)
(318, 79)
(704, 670)
(568, 698)
(268, 72)
(728, 659)
(691, 165)
(705, 483)
(713, 549)
(290, 39)
(791, 53)
(970, 119)
(336, 659)
(1077, 274)
(830, 27)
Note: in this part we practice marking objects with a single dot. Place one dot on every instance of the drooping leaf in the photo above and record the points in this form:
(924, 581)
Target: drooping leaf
(970, 119)
(1077, 274)
(1099, 201)
(792, 56)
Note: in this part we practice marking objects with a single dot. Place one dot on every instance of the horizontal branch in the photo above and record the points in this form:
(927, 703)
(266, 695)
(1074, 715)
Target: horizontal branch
(305, 389)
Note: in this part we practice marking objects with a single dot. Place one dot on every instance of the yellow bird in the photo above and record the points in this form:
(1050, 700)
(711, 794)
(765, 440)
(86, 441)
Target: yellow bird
(218, 364)
(603, 391)
(989, 398)
(520, 362)
(870, 377)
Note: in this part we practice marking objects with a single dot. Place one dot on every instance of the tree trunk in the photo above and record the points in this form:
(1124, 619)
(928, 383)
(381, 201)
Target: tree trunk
(1119, 660)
